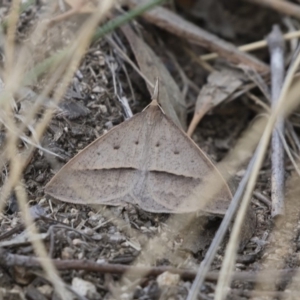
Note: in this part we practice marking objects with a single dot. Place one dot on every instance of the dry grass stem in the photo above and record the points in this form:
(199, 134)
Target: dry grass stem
(286, 103)
(16, 162)
(253, 46)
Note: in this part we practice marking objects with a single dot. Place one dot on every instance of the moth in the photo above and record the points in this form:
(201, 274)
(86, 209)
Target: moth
(146, 161)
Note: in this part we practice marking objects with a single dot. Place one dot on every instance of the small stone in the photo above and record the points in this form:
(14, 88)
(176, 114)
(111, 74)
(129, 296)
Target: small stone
(103, 108)
(98, 89)
(74, 211)
(77, 242)
(41, 178)
(67, 253)
(37, 211)
(101, 261)
(43, 202)
(98, 236)
(109, 125)
(46, 290)
(89, 231)
(85, 288)
(167, 279)
(66, 221)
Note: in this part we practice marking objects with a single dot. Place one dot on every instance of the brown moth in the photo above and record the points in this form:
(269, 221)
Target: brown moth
(146, 161)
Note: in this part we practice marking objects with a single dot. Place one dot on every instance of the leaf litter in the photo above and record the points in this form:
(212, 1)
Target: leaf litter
(129, 235)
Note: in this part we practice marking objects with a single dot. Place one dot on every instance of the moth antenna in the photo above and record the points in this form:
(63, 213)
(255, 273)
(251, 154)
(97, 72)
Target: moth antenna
(155, 97)
(156, 90)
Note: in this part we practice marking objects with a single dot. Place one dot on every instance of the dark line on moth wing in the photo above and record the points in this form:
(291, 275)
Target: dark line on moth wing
(172, 174)
(134, 169)
(106, 169)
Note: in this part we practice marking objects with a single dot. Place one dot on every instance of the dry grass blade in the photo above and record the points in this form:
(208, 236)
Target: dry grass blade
(253, 46)
(248, 142)
(9, 47)
(286, 102)
(17, 163)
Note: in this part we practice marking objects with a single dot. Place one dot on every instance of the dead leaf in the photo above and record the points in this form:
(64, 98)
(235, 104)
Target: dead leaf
(220, 85)
(171, 98)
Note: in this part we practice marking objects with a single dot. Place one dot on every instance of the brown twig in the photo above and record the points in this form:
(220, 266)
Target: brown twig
(276, 48)
(283, 7)
(11, 232)
(12, 260)
(173, 23)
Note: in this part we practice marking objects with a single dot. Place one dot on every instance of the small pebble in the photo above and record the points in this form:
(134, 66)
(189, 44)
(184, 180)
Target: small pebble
(77, 242)
(103, 108)
(74, 211)
(67, 253)
(89, 231)
(66, 221)
(167, 279)
(84, 288)
(46, 290)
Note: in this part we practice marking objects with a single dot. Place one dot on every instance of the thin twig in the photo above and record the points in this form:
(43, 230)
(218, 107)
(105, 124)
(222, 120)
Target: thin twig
(263, 199)
(276, 46)
(12, 260)
(294, 136)
(128, 60)
(287, 150)
(253, 46)
(123, 65)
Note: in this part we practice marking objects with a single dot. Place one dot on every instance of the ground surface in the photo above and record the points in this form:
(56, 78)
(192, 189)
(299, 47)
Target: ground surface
(128, 235)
